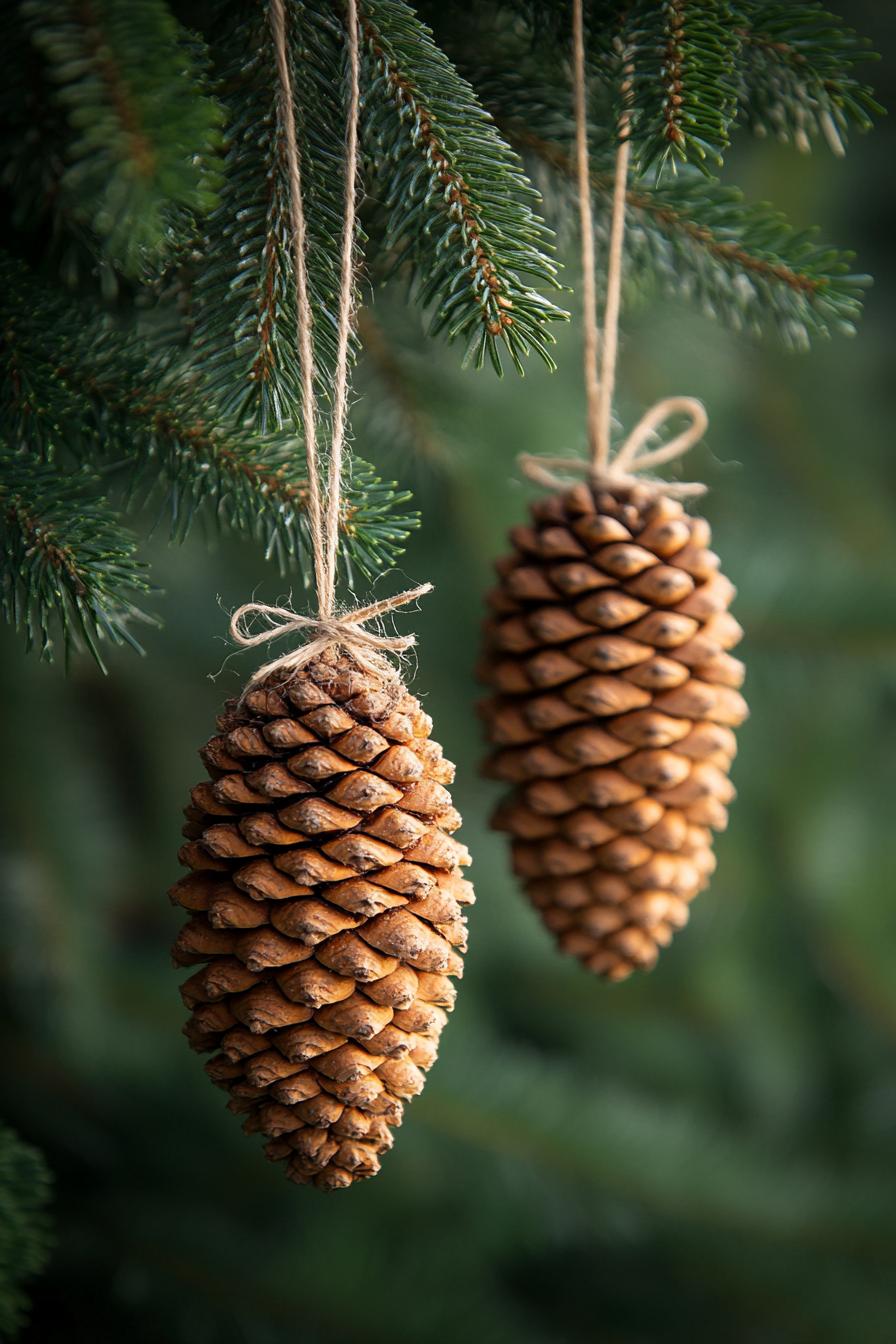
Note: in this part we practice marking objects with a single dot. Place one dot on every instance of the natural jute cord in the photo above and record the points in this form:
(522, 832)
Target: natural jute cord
(625, 468)
(327, 628)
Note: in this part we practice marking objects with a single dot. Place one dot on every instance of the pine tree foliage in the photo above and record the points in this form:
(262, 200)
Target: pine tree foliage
(798, 73)
(690, 71)
(80, 395)
(680, 55)
(458, 204)
(743, 264)
(455, 207)
(141, 133)
(112, 394)
(144, 167)
(740, 262)
(68, 561)
(24, 1226)
(245, 292)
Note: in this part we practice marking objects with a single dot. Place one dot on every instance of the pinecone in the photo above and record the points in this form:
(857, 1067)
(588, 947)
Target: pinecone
(327, 904)
(615, 700)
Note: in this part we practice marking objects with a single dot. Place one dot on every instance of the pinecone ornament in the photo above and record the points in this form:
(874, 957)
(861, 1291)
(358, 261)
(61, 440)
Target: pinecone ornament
(615, 697)
(327, 908)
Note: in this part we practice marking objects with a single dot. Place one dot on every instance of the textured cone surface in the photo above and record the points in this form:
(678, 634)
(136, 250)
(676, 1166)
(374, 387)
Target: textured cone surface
(615, 697)
(326, 914)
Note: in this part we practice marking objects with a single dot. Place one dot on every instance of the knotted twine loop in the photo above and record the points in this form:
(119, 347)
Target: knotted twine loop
(625, 467)
(624, 470)
(328, 628)
(345, 629)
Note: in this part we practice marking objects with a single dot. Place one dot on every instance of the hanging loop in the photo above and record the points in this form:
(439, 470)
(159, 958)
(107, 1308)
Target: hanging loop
(626, 467)
(328, 628)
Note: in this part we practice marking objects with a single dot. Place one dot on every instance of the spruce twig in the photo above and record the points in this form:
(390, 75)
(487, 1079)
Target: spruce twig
(139, 133)
(67, 561)
(745, 264)
(457, 201)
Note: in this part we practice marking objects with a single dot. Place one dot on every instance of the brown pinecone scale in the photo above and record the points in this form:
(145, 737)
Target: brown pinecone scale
(326, 913)
(615, 697)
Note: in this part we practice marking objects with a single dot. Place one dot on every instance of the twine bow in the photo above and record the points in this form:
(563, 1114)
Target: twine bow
(328, 628)
(345, 629)
(626, 466)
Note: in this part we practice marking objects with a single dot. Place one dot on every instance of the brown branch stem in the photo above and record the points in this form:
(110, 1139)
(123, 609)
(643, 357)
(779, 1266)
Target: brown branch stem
(457, 191)
(556, 157)
(120, 97)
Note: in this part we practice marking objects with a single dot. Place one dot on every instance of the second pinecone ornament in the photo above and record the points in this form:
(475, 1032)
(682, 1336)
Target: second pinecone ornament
(615, 694)
(615, 700)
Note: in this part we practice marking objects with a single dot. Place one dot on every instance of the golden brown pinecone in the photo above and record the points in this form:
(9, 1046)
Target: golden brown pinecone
(327, 904)
(615, 699)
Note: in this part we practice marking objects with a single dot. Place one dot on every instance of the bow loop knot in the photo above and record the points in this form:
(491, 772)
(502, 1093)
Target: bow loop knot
(626, 468)
(345, 629)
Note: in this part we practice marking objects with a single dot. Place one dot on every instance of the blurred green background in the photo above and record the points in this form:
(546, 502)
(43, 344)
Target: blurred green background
(708, 1152)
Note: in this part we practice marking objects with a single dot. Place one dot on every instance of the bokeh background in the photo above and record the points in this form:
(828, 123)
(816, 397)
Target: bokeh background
(708, 1152)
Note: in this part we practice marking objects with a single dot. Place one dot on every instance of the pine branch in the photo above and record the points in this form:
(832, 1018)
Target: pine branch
(456, 198)
(797, 76)
(138, 406)
(245, 291)
(747, 266)
(683, 97)
(66, 560)
(38, 411)
(24, 1226)
(700, 67)
(742, 264)
(143, 134)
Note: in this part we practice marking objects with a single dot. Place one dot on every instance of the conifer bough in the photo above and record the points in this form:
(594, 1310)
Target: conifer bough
(149, 304)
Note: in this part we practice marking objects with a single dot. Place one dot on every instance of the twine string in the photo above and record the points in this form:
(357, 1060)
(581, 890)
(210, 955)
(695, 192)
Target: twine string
(610, 342)
(257, 623)
(346, 629)
(327, 598)
(586, 229)
(304, 315)
(625, 468)
(630, 458)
